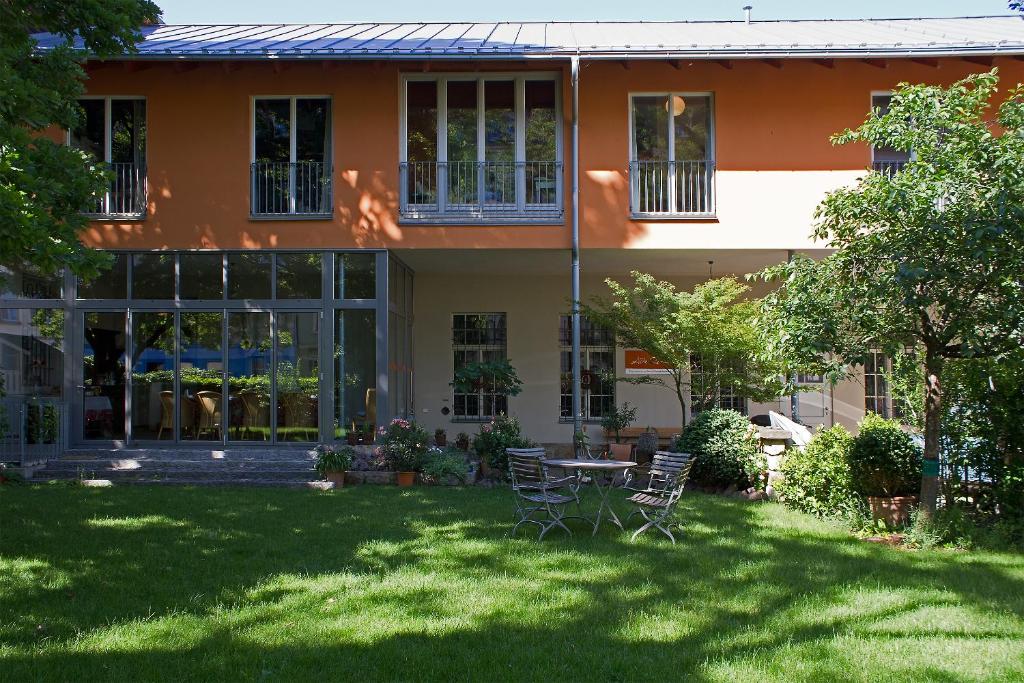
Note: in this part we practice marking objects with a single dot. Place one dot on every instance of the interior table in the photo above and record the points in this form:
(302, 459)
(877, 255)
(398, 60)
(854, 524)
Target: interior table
(597, 468)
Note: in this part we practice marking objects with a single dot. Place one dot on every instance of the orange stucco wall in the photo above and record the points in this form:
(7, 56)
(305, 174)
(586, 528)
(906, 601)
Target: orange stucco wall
(773, 157)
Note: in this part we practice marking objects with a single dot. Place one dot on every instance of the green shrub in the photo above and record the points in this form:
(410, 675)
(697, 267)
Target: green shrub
(884, 460)
(497, 435)
(402, 445)
(441, 464)
(817, 479)
(330, 458)
(726, 449)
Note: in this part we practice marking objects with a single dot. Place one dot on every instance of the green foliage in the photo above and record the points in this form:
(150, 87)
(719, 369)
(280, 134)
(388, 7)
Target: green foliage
(402, 445)
(883, 459)
(440, 465)
(497, 435)
(330, 458)
(46, 185)
(726, 449)
(817, 479)
(713, 323)
(498, 376)
(927, 258)
(619, 418)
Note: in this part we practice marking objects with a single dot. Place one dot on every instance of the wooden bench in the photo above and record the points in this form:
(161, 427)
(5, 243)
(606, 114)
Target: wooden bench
(631, 434)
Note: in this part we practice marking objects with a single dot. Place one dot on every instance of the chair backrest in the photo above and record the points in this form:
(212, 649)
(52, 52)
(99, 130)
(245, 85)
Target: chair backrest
(525, 469)
(526, 452)
(166, 409)
(668, 463)
(209, 402)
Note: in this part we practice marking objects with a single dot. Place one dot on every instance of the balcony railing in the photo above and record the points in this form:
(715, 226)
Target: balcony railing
(126, 195)
(888, 167)
(672, 188)
(280, 188)
(481, 190)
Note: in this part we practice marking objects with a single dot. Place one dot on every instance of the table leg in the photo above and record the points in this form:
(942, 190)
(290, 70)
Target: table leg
(603, 496)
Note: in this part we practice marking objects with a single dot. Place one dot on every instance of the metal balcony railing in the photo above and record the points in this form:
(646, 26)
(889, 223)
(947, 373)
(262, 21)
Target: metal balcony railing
(126, 195)
(672, 188)
(481, 190)
(280, 188)
(888, 167)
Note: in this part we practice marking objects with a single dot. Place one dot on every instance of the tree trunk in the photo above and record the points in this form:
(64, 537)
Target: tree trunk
(679, 395)
(932, 430)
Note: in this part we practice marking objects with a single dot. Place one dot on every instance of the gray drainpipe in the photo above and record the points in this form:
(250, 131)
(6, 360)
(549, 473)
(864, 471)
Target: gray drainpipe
(577, 418)
(794, 398)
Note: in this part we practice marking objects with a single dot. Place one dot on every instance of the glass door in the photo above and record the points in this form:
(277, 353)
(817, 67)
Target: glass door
(152, 363)
(201, 376)
(104, 347)
(250, 354)
(297, 376)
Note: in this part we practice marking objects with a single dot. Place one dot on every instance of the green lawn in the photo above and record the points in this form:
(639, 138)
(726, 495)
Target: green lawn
(370, 583)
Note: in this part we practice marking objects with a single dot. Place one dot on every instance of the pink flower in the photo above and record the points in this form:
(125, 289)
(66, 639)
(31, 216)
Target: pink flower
(486, 428)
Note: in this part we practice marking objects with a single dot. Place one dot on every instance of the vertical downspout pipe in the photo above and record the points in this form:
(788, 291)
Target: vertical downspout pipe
(794, 398)
(577, 417)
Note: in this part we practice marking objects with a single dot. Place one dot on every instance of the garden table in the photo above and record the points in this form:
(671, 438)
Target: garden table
(595, 468)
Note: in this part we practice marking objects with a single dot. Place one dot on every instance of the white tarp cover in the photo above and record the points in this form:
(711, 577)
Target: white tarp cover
(800, 434)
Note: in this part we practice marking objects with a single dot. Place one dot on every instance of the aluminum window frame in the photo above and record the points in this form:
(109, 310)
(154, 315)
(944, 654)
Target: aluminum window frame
(519, 80)
(712, 154)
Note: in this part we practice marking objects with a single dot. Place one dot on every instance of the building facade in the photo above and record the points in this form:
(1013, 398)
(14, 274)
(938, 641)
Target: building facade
(314, 226)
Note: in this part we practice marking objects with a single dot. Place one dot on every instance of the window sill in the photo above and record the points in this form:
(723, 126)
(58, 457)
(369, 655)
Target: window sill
(586, 421)
(443, 220)
(120, 217)
(675, 217)
(472, 420)
(291, 216)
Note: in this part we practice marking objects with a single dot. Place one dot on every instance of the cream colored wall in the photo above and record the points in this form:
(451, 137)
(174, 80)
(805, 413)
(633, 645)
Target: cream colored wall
(533, 305)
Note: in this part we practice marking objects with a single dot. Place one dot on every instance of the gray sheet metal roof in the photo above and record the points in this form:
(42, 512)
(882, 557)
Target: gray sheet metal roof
(607, 40)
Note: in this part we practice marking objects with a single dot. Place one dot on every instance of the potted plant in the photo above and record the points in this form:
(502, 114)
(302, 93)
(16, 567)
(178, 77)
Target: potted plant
(614, 422)
(885, 466)
(401, 448)
(462, 441)
(332, 463)
(497, 376)
(494, 437)
(440, 438)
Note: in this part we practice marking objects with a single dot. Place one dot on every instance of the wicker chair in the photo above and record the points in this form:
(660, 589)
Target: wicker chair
(537, 496)
(656, 490)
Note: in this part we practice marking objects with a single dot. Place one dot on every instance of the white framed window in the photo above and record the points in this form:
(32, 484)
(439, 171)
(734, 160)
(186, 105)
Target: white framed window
(480, 145)
(113, 130)
(877, 396)
(597, 370)
(291, 170)
(672, 153)
(479, 338)
(886, 159)
(729, 397)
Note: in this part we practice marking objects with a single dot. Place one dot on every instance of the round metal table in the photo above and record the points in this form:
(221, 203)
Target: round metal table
(597, 468)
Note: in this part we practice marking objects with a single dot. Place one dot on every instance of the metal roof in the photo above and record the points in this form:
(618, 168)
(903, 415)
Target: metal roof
(598, 40)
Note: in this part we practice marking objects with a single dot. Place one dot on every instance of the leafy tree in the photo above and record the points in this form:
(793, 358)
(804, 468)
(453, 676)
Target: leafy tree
(711, 327)
(44, 185)
(929, 258)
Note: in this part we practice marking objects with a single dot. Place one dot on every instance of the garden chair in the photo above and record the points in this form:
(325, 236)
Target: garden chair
(571, 484)
(209, 413)
(166, 413)
(656, 489)
(537, 495)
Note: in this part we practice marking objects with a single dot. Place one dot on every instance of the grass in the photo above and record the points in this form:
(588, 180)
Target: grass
(375, 583)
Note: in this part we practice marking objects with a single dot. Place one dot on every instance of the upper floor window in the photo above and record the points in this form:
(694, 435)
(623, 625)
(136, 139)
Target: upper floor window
(886, 159)
(113, 131)
(479, 338)
(597, 369)
(291, 151)
(672, 154)
(481, 148)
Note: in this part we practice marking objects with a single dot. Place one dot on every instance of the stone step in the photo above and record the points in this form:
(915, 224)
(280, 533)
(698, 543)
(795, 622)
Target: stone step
(306, 484)
(173, 455)
(140, 463)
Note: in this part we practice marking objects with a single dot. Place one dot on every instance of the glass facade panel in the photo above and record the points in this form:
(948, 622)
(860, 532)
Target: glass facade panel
(26, 283)
(109, 284)
(298, 276)
(201, 363)
(249, 276)
(272, 130)
(250, 351)
(297, 376)
(355, 372)
(32, 351)
(462, 142)
(103, 375)
(152, 375)
(90, 133)
(200, 276)
(355, 276)
(153, 276)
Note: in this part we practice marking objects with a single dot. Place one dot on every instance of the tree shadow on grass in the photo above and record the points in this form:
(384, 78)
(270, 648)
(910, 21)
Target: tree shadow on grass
(425, 584)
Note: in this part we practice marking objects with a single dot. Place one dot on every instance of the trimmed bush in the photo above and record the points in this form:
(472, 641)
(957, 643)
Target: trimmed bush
(884, 460)
(726, 449)
(817, 479)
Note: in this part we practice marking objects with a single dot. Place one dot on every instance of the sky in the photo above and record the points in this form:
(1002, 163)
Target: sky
(333, 11)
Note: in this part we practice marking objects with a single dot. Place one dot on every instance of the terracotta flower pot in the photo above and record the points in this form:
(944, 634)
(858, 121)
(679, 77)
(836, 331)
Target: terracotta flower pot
(336, 478)
(405, 478)
(893, 511)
